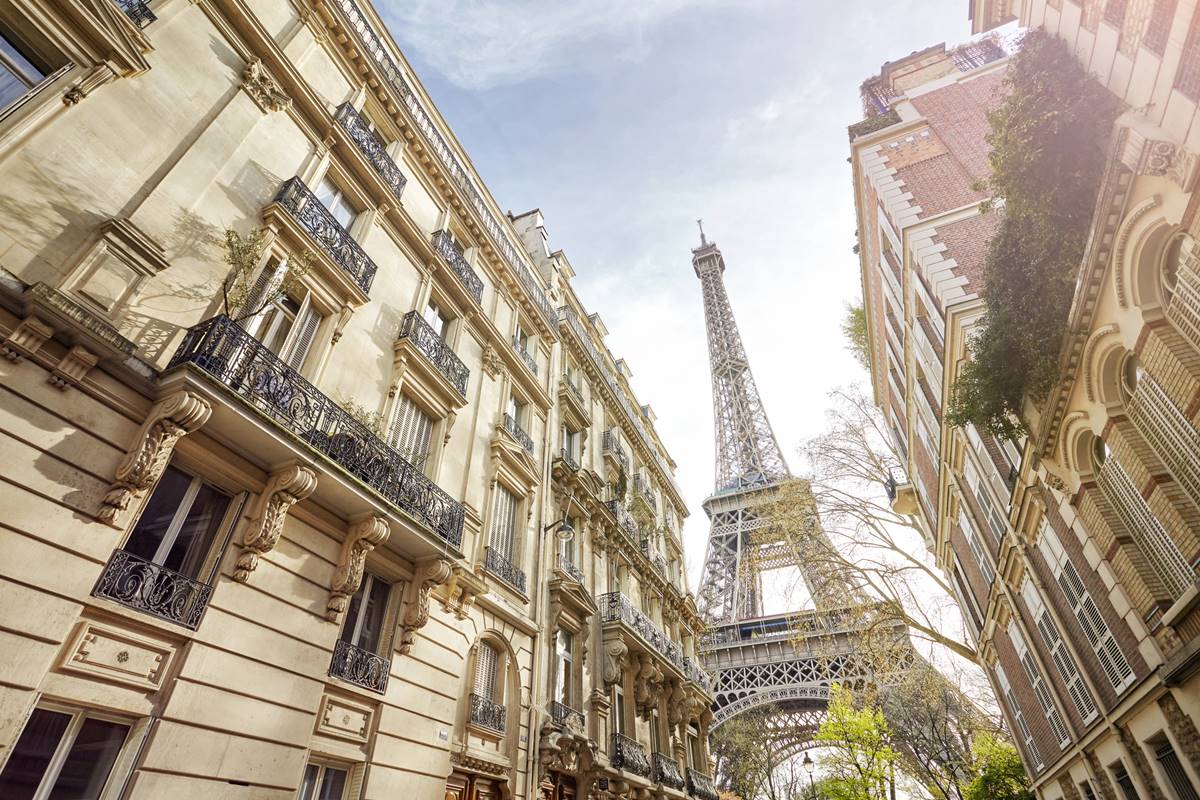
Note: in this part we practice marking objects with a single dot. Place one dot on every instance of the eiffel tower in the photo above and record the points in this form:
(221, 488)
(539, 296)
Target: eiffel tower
(787, 662)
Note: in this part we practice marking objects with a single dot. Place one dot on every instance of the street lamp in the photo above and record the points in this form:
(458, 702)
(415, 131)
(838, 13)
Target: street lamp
(808, 765)
(565, 530)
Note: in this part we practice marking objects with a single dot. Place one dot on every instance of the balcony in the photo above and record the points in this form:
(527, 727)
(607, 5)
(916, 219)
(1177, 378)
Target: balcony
(617, 608)
(448, 250)
(360, 667)
(568, 567)
(256, 375)
(153, 589)
(415, 329)
(138, 12)
(522, 350)
(308, 212)
(643, 492)
(657, 559)
(568, 460)
(499, 565)
(701, 786)
(372, 147)
(666, 771)
(628, 755)
(517, 432)
(567, 717)
(610, 447)
(487, 714)
(625, 523)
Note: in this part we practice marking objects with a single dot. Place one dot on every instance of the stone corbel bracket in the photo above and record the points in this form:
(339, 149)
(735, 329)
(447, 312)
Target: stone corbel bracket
(361, 539)
(616, 655)
(461, 591)
(285, 488)
(416, 613)
(26, 339)
(170, 419)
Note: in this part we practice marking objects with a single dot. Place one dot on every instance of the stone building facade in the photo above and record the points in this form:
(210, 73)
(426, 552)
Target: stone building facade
(1073, 551)
(390, 521)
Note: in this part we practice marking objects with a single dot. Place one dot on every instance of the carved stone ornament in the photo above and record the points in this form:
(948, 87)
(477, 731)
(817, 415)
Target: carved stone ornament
(429, 575)
(284, 489)
(675, 705)
(616, 653)
(647, 685)
(170, 419)
(26, 339)
(263, 89)
(72, 368)
(1168, 160)
(360, 540)
(1056, 483)
(461, 591)
(492, 362)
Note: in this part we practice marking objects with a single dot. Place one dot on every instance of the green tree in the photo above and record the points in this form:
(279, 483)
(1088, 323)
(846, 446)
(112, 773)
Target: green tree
(854, 328)
(856, 755)
(1000, 773)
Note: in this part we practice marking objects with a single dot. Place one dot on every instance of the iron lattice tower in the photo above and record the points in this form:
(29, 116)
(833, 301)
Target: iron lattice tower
(786, 662)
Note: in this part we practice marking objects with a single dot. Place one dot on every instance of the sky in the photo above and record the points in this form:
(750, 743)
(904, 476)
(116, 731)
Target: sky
(626, 120)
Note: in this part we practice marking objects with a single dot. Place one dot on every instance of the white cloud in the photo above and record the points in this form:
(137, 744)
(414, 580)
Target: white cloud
(479, 44)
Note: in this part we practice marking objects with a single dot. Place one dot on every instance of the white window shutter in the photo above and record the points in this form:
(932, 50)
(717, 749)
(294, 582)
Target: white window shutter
(265, 285)
(301, 338)
(485, 671)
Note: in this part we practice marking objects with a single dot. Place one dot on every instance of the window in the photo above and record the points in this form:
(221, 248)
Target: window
(693, 747)
(1168, 759)
(570, 443)
(504, 522)
(437, 320)
(1122, 779)
(323, 782)
(973, 618)
(334, 199)
(1104, 644)
(410, 431)
(563, 666)
(179, 523)
(618, 710)
(1014, 708)
(486, 663)
(284, 324)
(972, 537)
(20, 69)
(1053, 717)
(521, 339)
(363, 626)
(1085, 788)
(63, 754)
(995, 519)
(1067, 669)
(655, 746)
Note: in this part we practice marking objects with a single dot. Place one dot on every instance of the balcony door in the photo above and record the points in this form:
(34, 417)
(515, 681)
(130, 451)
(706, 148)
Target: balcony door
(179, 524)
(563, 667)
(363, 627)
(286, 324)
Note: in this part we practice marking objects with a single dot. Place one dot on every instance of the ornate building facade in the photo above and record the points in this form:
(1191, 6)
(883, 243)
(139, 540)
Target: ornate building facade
(391, 521)
(1073, 550)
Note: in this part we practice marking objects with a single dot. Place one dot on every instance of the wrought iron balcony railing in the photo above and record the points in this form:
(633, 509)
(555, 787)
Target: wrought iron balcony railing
(657, 559)
(641, 488)
(499, 565)
(153, 589)
(564, 455)
(360, 26)
(666, 771)
(414, 328)
(373, 147)
(566, 716)
(488, 714)
(616, 607)
(525, 355)
(235, 358)
(518, 433)
(701, 786)
(697, 674)
(137, 11)
(315, 219)
(444, 243)
(611, 446)
(625, 523)
(574, 391)
(567, 566)
(629, 755)
(360, 667)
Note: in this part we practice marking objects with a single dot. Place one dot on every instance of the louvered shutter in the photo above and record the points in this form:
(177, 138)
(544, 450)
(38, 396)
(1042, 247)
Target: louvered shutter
(265, 285)
(485, 671)
(1018, 717)
(410, 431)
(503, 522)
(1053, 717)
(1063, 661)
(301, 339)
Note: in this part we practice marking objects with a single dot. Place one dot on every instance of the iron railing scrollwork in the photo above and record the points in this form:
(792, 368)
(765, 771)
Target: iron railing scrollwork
(499, 565)
(517, 432)
(656, 559)
(360, 667)
(444, 243)
(666, 771)
(487, 713)
(138, 12)
(641, 488)
(564, 455)
(377, 52)
(153, 589)
(629, 755)
(370, 145)
(567, 566)
(566, 716)
(625, 523)
(526, 356)
(435, 349)
(235, 358)
(701, 786)
(299, 201)
(616, 607)
(574, 391)
(611, 446)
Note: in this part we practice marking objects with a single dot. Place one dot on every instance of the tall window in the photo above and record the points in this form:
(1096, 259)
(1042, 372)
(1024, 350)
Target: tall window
(363, 627)
(1104, 644)
(1067, 669)
(1122, 779)
(567, 546)
(1014, 708)
(410, 431)
(437, 320)
(655, 744)
(618, 710)
(504, 522)
(563, 666)
(1053, 717)
(1168, 759)
(179, 524)
(63, 754)
(570, 443)
(693, 748)
(20, 69)
(487, 662)
(323, 782)
(285, 324)
(992, 514)
(333, 198)
(973, 542)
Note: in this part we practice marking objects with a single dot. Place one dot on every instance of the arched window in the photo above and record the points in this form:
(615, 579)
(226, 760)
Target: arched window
(487, 710)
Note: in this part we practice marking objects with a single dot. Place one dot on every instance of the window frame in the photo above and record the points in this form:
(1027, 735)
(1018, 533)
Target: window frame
(323, 765)
(383, 639)
(58, 758)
